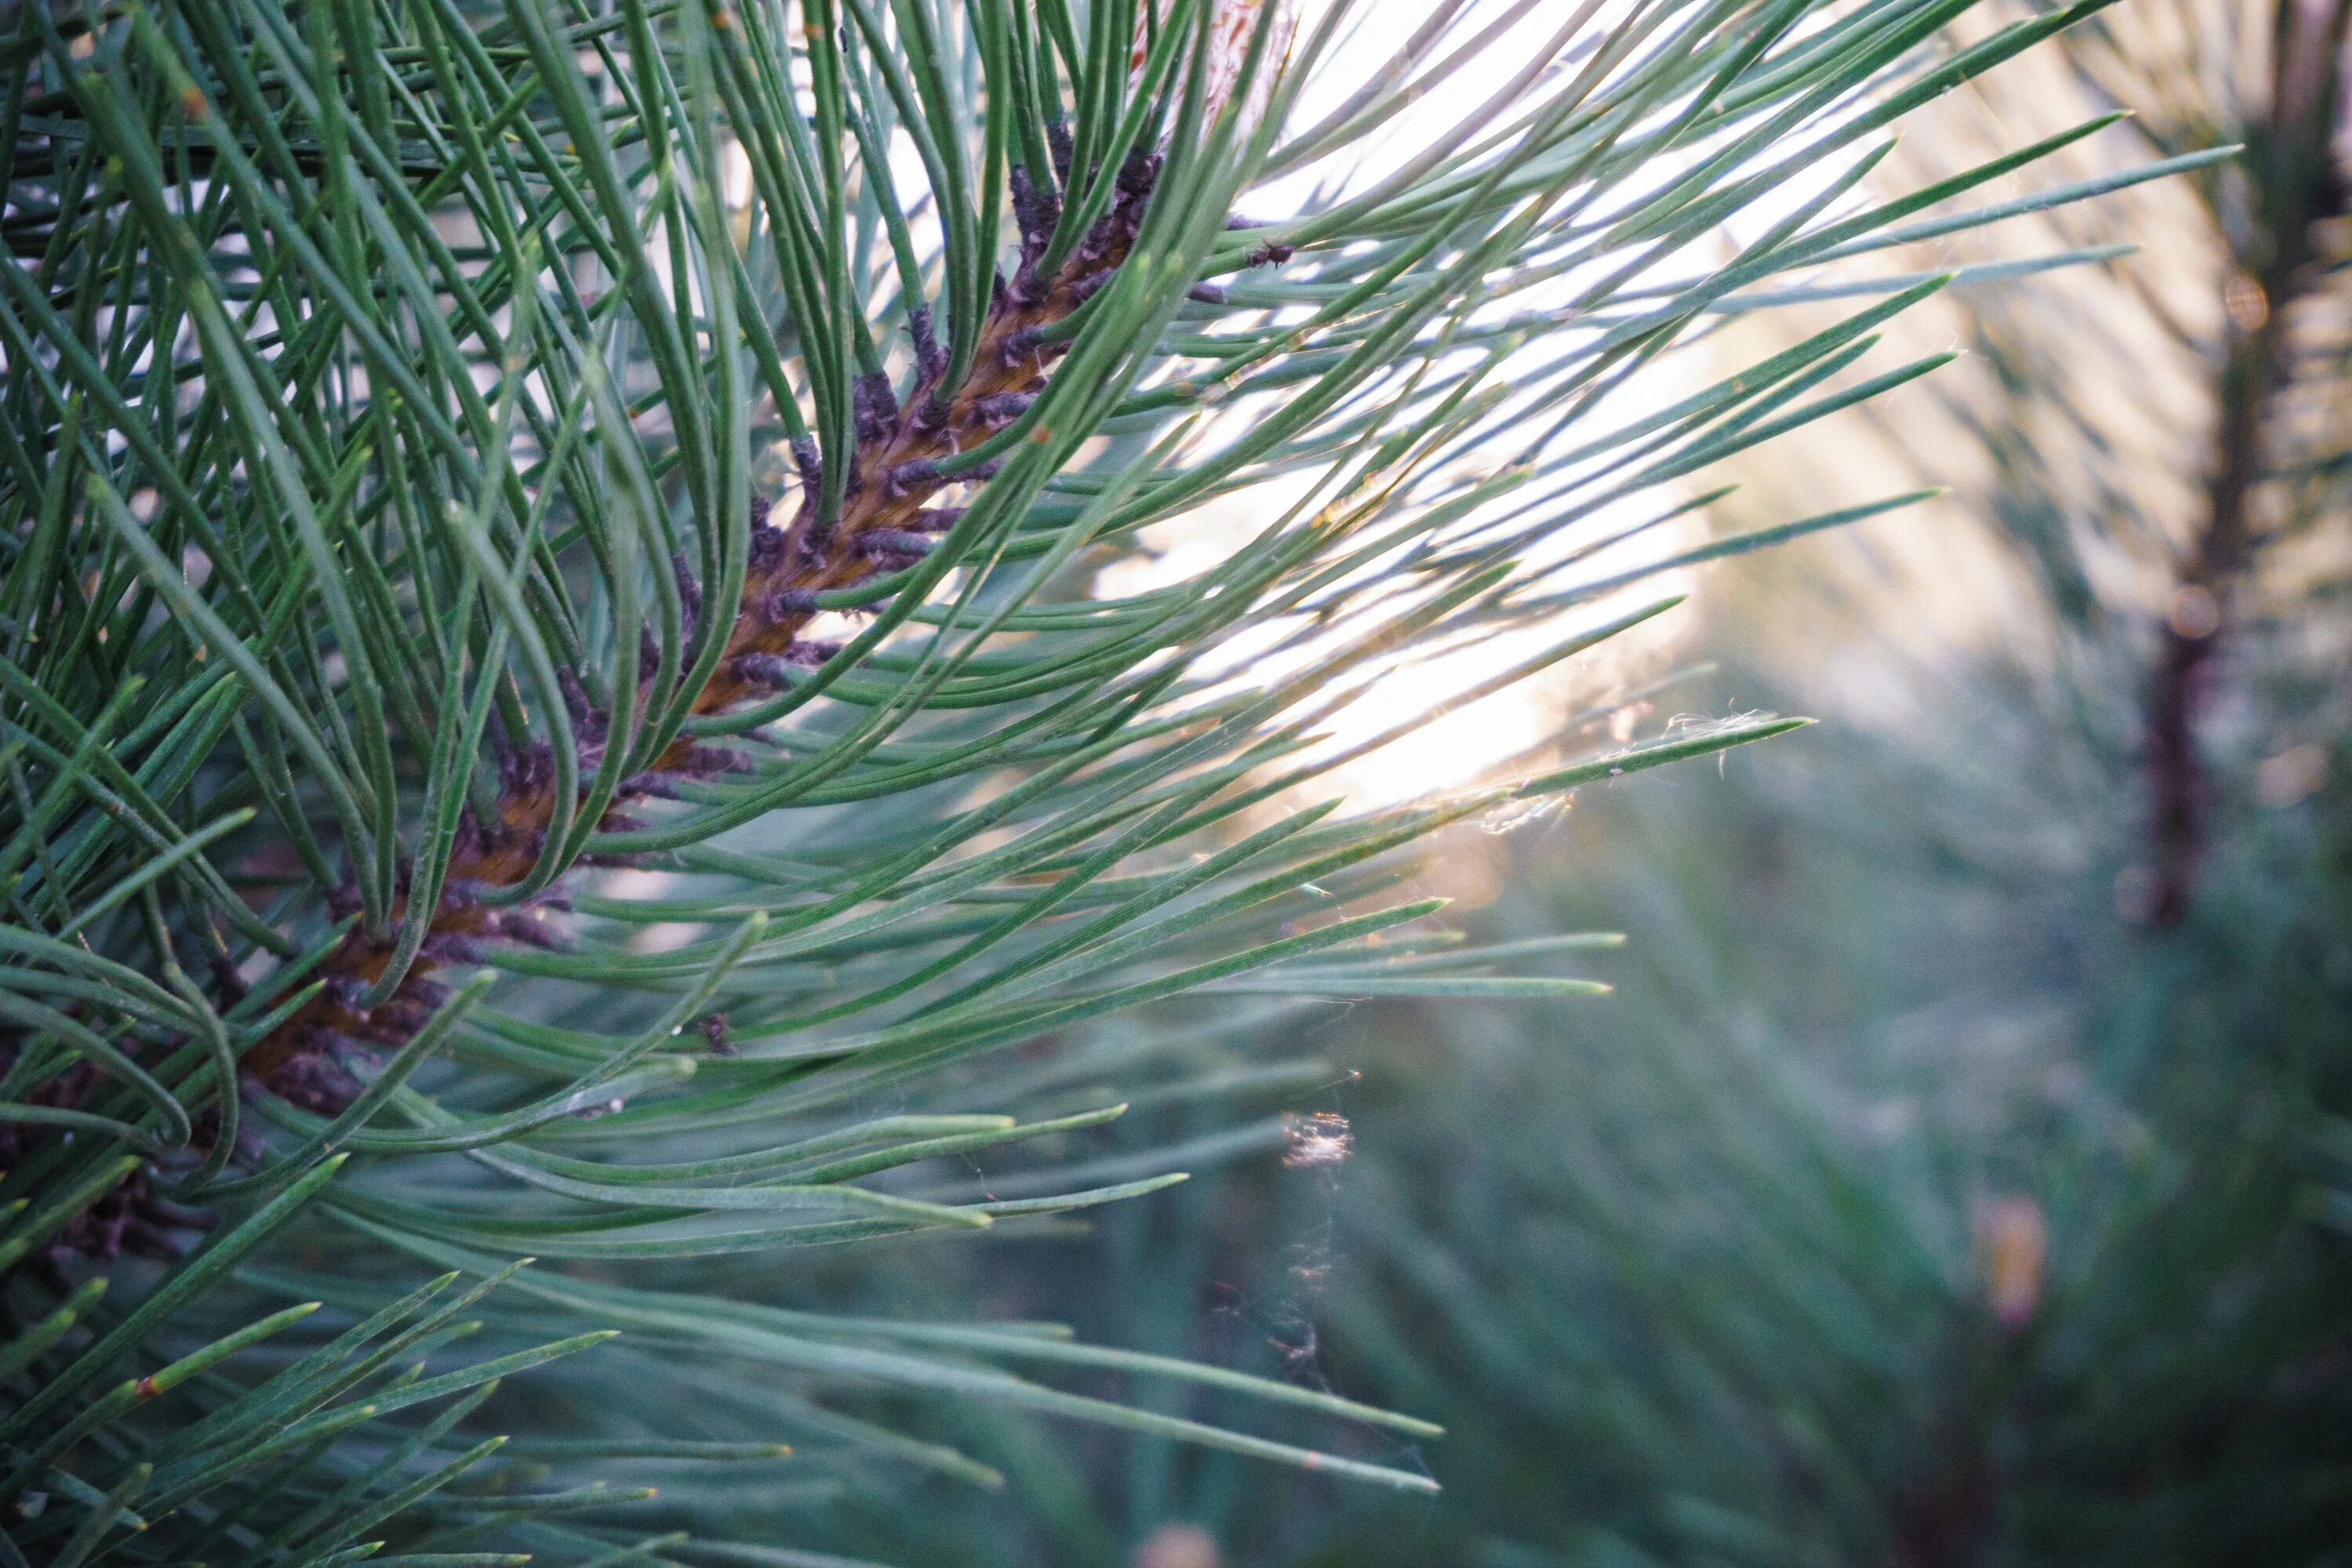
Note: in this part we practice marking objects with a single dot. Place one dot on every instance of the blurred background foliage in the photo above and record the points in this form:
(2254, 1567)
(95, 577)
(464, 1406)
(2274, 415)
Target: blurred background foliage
(1958, 1174)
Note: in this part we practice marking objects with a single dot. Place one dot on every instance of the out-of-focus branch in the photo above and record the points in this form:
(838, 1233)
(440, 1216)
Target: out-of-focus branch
(2294, 185)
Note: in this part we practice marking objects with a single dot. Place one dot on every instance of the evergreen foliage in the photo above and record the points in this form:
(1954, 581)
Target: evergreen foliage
(562, 700)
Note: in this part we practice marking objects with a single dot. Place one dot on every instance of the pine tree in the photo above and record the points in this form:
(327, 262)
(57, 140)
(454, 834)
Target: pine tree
(565, 699)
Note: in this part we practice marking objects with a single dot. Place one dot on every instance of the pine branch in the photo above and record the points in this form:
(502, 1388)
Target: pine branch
(387, 389)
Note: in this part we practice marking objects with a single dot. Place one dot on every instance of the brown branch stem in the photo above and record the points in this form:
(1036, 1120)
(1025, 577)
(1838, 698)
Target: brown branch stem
(892, 479)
